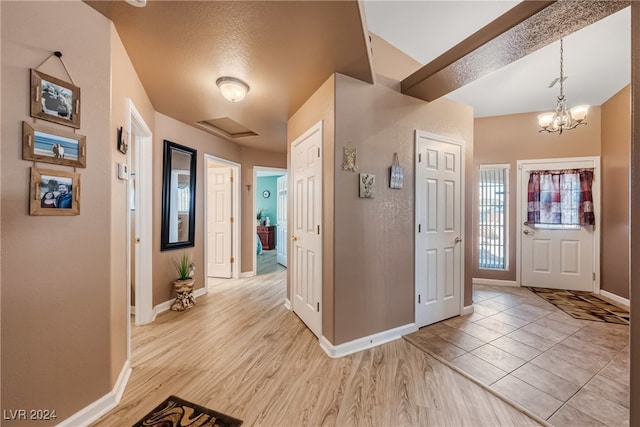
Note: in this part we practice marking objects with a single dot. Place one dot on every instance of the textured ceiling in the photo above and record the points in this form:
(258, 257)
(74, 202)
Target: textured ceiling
(284, 50)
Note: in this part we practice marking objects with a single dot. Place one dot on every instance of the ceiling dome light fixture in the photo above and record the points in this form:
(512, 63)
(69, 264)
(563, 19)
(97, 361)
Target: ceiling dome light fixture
(233, 89)
(562, 119)
(137, 3)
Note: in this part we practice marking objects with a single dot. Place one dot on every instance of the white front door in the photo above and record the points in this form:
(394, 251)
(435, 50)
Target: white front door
(306, 164)
(439, 213)
(555, 256)
(281, 228)
(219, 213)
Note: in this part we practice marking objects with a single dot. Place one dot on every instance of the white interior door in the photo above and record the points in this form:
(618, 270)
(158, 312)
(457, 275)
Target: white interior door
(439, 213)
(281, 228)
(306, 163)
(219, 215)
(556, 257)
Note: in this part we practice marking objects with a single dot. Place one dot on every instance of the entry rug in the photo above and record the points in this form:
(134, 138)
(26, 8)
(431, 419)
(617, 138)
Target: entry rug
(584, 305)
(175, 412)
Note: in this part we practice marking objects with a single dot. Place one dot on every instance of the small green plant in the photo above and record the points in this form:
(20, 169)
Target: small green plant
(182, 266)
(259, 215)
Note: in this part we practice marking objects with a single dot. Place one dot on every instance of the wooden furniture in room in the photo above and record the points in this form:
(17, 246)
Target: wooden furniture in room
(267, 235)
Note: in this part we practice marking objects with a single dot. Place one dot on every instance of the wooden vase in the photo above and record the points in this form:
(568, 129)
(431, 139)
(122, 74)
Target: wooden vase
(184, 290)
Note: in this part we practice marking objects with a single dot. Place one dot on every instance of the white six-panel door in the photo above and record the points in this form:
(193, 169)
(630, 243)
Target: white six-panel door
(281, 228)
(219, 222)
(557, 258)
(306, 240)
(439, 213)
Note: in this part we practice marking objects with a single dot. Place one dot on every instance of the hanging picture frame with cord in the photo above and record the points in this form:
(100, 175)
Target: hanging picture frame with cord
(54, 100)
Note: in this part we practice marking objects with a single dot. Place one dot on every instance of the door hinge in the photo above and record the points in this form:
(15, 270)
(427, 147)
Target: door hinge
(233, 260)
(419, 298)
(318, 151)
(318, 230)
(231, 219)
(419, 158)
(318, 307)
(419, 228)
(231, 178)
(594, 275)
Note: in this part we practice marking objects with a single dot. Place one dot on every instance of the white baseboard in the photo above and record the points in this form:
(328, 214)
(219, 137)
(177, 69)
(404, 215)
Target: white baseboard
(365, 343)
(495, 282)
(246, 274)
(91, 413)
(166, 306)
(287, 304)
(467, 310)
(620, 300)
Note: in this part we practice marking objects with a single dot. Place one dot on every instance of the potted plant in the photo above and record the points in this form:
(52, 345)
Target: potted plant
(259, 216)
(183, 285)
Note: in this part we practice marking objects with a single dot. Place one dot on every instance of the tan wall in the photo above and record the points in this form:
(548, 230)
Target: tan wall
(374, 287)
(507, 139)
(204, 143)
(320, 106)
(616, 146)
(389, 61)
(125, 85)
(56, 271)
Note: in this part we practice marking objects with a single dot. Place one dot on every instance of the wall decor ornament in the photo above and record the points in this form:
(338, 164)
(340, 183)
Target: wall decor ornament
(349, 159)
(54, 192)
(123, 140)
(367, 185)
(396, 178)
(54, 100)
(49, 145)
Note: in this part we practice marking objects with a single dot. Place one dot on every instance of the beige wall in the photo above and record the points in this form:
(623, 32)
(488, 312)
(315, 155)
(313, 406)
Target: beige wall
(368, 269)
(374, 287)
(320, 106)
(125, 85)
(616, 146)
(204, 143)
(507, 139)
(56, 271)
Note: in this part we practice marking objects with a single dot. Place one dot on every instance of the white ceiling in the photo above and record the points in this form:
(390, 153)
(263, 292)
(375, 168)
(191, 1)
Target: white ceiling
(597, 59)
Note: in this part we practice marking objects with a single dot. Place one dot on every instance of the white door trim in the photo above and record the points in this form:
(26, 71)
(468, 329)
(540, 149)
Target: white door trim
(462, 144)
(257, 169)
(596, 187)
(144, 218)
(235, 212)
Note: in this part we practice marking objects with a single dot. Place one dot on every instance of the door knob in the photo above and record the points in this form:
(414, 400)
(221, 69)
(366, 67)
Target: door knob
(294, 238)
(527, 232)
(457, 239)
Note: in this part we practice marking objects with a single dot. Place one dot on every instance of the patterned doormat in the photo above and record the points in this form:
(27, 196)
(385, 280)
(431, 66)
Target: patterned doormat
(175, 412)
(584, 305)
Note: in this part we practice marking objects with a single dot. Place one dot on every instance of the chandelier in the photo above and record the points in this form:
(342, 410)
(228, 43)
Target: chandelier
(562, 119)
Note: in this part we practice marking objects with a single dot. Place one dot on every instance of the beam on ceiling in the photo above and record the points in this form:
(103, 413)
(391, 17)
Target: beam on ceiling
(525, 28)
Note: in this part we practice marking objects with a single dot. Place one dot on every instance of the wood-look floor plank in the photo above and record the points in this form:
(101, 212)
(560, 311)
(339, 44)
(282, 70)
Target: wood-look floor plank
(241, 352)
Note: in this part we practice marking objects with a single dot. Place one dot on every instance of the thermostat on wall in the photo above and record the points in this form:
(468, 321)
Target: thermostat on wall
(123, 171)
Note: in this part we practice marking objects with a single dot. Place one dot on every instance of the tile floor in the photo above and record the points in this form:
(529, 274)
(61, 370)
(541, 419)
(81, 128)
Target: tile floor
(567, 371)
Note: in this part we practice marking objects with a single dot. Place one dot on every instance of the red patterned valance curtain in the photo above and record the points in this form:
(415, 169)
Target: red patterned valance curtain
(560, 197)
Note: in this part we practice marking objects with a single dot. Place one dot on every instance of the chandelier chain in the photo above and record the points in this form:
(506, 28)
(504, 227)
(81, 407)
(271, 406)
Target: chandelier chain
(561, 70)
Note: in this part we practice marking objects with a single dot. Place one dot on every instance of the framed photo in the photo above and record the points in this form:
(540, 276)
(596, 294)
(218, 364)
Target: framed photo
(54, 100)
(49, 145)
(54, 192)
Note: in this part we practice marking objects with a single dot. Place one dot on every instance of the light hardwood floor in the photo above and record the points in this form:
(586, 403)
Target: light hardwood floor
(241, 352)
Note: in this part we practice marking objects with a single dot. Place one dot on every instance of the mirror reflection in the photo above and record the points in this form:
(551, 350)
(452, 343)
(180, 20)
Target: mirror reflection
(178, 196)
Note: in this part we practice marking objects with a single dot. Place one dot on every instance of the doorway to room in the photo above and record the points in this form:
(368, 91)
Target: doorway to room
(270, 211)
(221, 226)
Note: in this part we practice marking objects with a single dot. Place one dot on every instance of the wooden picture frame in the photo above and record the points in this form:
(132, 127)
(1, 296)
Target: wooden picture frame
(49, 145)
(54, 100)
(54, 192)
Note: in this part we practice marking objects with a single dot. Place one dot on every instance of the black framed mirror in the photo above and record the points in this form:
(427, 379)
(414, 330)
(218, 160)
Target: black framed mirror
(178, 196)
